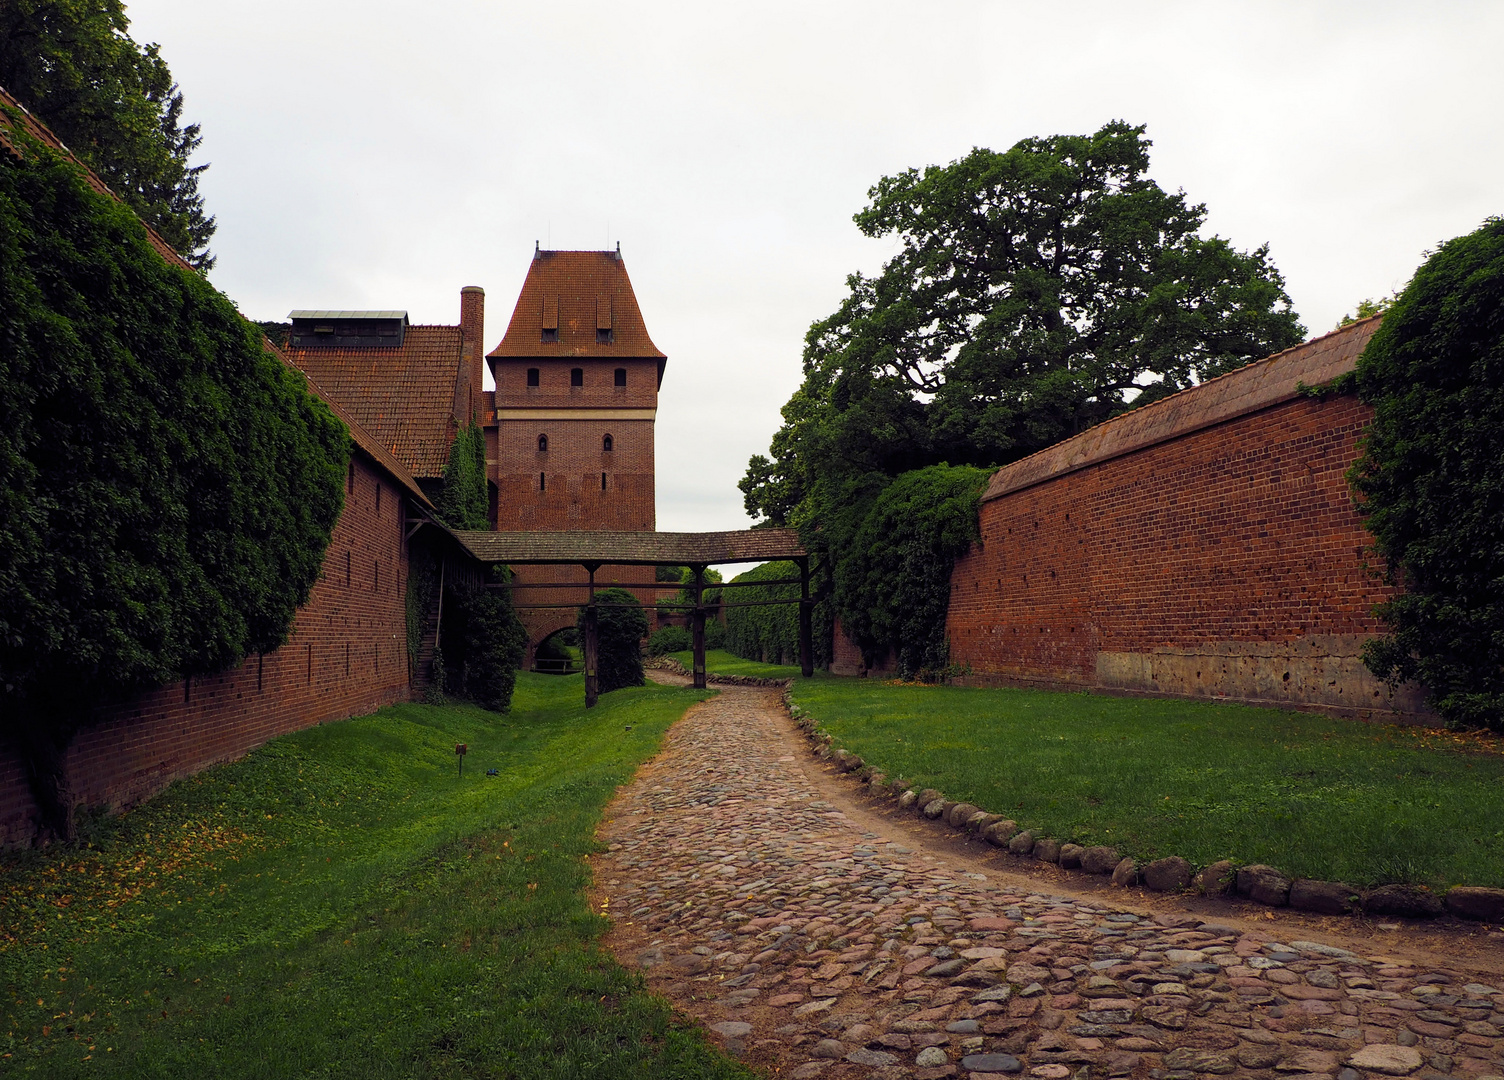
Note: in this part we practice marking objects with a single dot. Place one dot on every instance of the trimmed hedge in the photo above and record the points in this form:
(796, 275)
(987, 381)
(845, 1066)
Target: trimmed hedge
(769, 634)
(670, 639)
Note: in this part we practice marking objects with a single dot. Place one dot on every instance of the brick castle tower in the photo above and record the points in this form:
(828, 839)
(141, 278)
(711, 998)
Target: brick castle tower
(570, 434)
(577, 382)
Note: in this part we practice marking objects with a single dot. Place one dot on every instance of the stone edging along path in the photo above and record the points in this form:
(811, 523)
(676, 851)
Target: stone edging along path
(668, 663)
(823, 936)
(1257, 882)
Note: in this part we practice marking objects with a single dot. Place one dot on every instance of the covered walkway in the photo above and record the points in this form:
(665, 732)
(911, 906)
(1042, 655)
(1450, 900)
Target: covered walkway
(592, 550)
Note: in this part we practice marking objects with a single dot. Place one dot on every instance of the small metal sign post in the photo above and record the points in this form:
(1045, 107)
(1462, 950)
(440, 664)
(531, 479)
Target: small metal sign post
(461, 750)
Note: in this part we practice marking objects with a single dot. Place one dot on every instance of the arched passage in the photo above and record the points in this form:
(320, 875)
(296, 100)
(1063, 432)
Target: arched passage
(559, 652)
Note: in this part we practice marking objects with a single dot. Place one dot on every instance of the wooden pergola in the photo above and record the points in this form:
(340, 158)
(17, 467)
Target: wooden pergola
(592, 550)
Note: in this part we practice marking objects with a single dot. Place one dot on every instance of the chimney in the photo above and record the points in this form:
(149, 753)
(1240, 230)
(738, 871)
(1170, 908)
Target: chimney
(472, 351)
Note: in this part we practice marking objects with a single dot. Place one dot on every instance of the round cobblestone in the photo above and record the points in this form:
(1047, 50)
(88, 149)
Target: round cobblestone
(825, 945)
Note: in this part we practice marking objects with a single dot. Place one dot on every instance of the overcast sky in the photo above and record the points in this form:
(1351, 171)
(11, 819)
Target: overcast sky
(382, 155)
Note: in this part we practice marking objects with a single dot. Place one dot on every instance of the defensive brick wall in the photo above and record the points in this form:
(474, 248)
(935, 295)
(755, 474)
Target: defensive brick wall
(1204, 546)
(347, 656)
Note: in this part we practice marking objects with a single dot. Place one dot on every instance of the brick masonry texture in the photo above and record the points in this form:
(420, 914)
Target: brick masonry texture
(347, 656)
(1217, 554)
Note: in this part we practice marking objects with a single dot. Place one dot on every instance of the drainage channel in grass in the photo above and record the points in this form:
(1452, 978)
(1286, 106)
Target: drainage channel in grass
(1316, 797)
(344, 903)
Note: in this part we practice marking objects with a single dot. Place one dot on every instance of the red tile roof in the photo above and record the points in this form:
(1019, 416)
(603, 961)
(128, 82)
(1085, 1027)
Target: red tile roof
(363, 440)
(584, 291)
(1259, 385)
(402, 396)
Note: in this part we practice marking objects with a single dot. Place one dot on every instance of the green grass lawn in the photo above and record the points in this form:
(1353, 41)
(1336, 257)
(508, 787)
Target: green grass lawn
(342, 903)
(1321, 798)
(721, 662)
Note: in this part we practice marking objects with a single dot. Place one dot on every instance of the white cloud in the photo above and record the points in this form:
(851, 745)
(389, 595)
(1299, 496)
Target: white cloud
(383, 155)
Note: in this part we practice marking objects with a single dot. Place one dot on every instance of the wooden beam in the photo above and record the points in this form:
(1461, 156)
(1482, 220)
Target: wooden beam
(592, 645)
(697, 625)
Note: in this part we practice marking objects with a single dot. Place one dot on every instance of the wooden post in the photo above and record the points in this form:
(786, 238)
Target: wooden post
(592, 644)
(806, 632)
(697, 627)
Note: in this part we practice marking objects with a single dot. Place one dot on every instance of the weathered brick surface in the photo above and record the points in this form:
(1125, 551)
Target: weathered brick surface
(1227, 562)
(347, 656)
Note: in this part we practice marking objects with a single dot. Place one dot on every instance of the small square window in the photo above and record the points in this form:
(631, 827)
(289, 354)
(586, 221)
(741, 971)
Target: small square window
(532, 376)
(621, 376)
(550, 336)
(576, 376)
(603, 337)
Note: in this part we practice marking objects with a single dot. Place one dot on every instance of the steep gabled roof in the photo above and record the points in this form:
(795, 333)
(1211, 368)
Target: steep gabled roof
(404, 396)
(1259, 385)
(580, 292)
(42, 133)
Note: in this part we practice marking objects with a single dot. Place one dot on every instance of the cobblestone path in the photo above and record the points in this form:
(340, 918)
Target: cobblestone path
(816, 943)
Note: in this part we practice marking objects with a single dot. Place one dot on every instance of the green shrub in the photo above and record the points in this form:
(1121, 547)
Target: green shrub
(1431, 478)
(484, 643)
(669, 639)
(167, 486)
(620, 631)
(892, 585)
(494, 645)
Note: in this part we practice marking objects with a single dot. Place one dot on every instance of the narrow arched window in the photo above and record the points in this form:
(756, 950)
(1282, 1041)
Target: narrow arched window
(621, 376)
(542, 444)
(606, 444)
(577, 376)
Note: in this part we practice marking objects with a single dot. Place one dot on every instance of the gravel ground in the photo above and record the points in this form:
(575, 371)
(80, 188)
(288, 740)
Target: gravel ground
(767, 899)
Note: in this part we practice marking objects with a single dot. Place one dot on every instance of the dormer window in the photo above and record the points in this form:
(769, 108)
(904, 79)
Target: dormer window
(550, 318)
(621, 376)
(606, 444)
(603, 337)
(532, 376)
(577, 376)
(542, 444)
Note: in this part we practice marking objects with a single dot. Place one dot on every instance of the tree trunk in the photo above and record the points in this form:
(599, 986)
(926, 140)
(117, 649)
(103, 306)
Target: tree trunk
(46, 756)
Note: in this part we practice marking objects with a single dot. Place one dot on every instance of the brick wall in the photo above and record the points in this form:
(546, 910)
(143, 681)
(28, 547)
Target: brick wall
(1221, 559)
(347, 656)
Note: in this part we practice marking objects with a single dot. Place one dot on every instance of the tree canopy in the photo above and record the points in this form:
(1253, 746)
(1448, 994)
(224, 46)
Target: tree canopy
(1035, 292)
(167, 486)
(1431, 478)
(116, 106)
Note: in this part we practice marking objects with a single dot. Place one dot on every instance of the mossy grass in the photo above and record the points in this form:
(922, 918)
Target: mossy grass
(721, 662)
(343, 903)
(1316, 797)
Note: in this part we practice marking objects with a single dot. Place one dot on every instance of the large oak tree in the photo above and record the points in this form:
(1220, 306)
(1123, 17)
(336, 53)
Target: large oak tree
(1035, 292)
